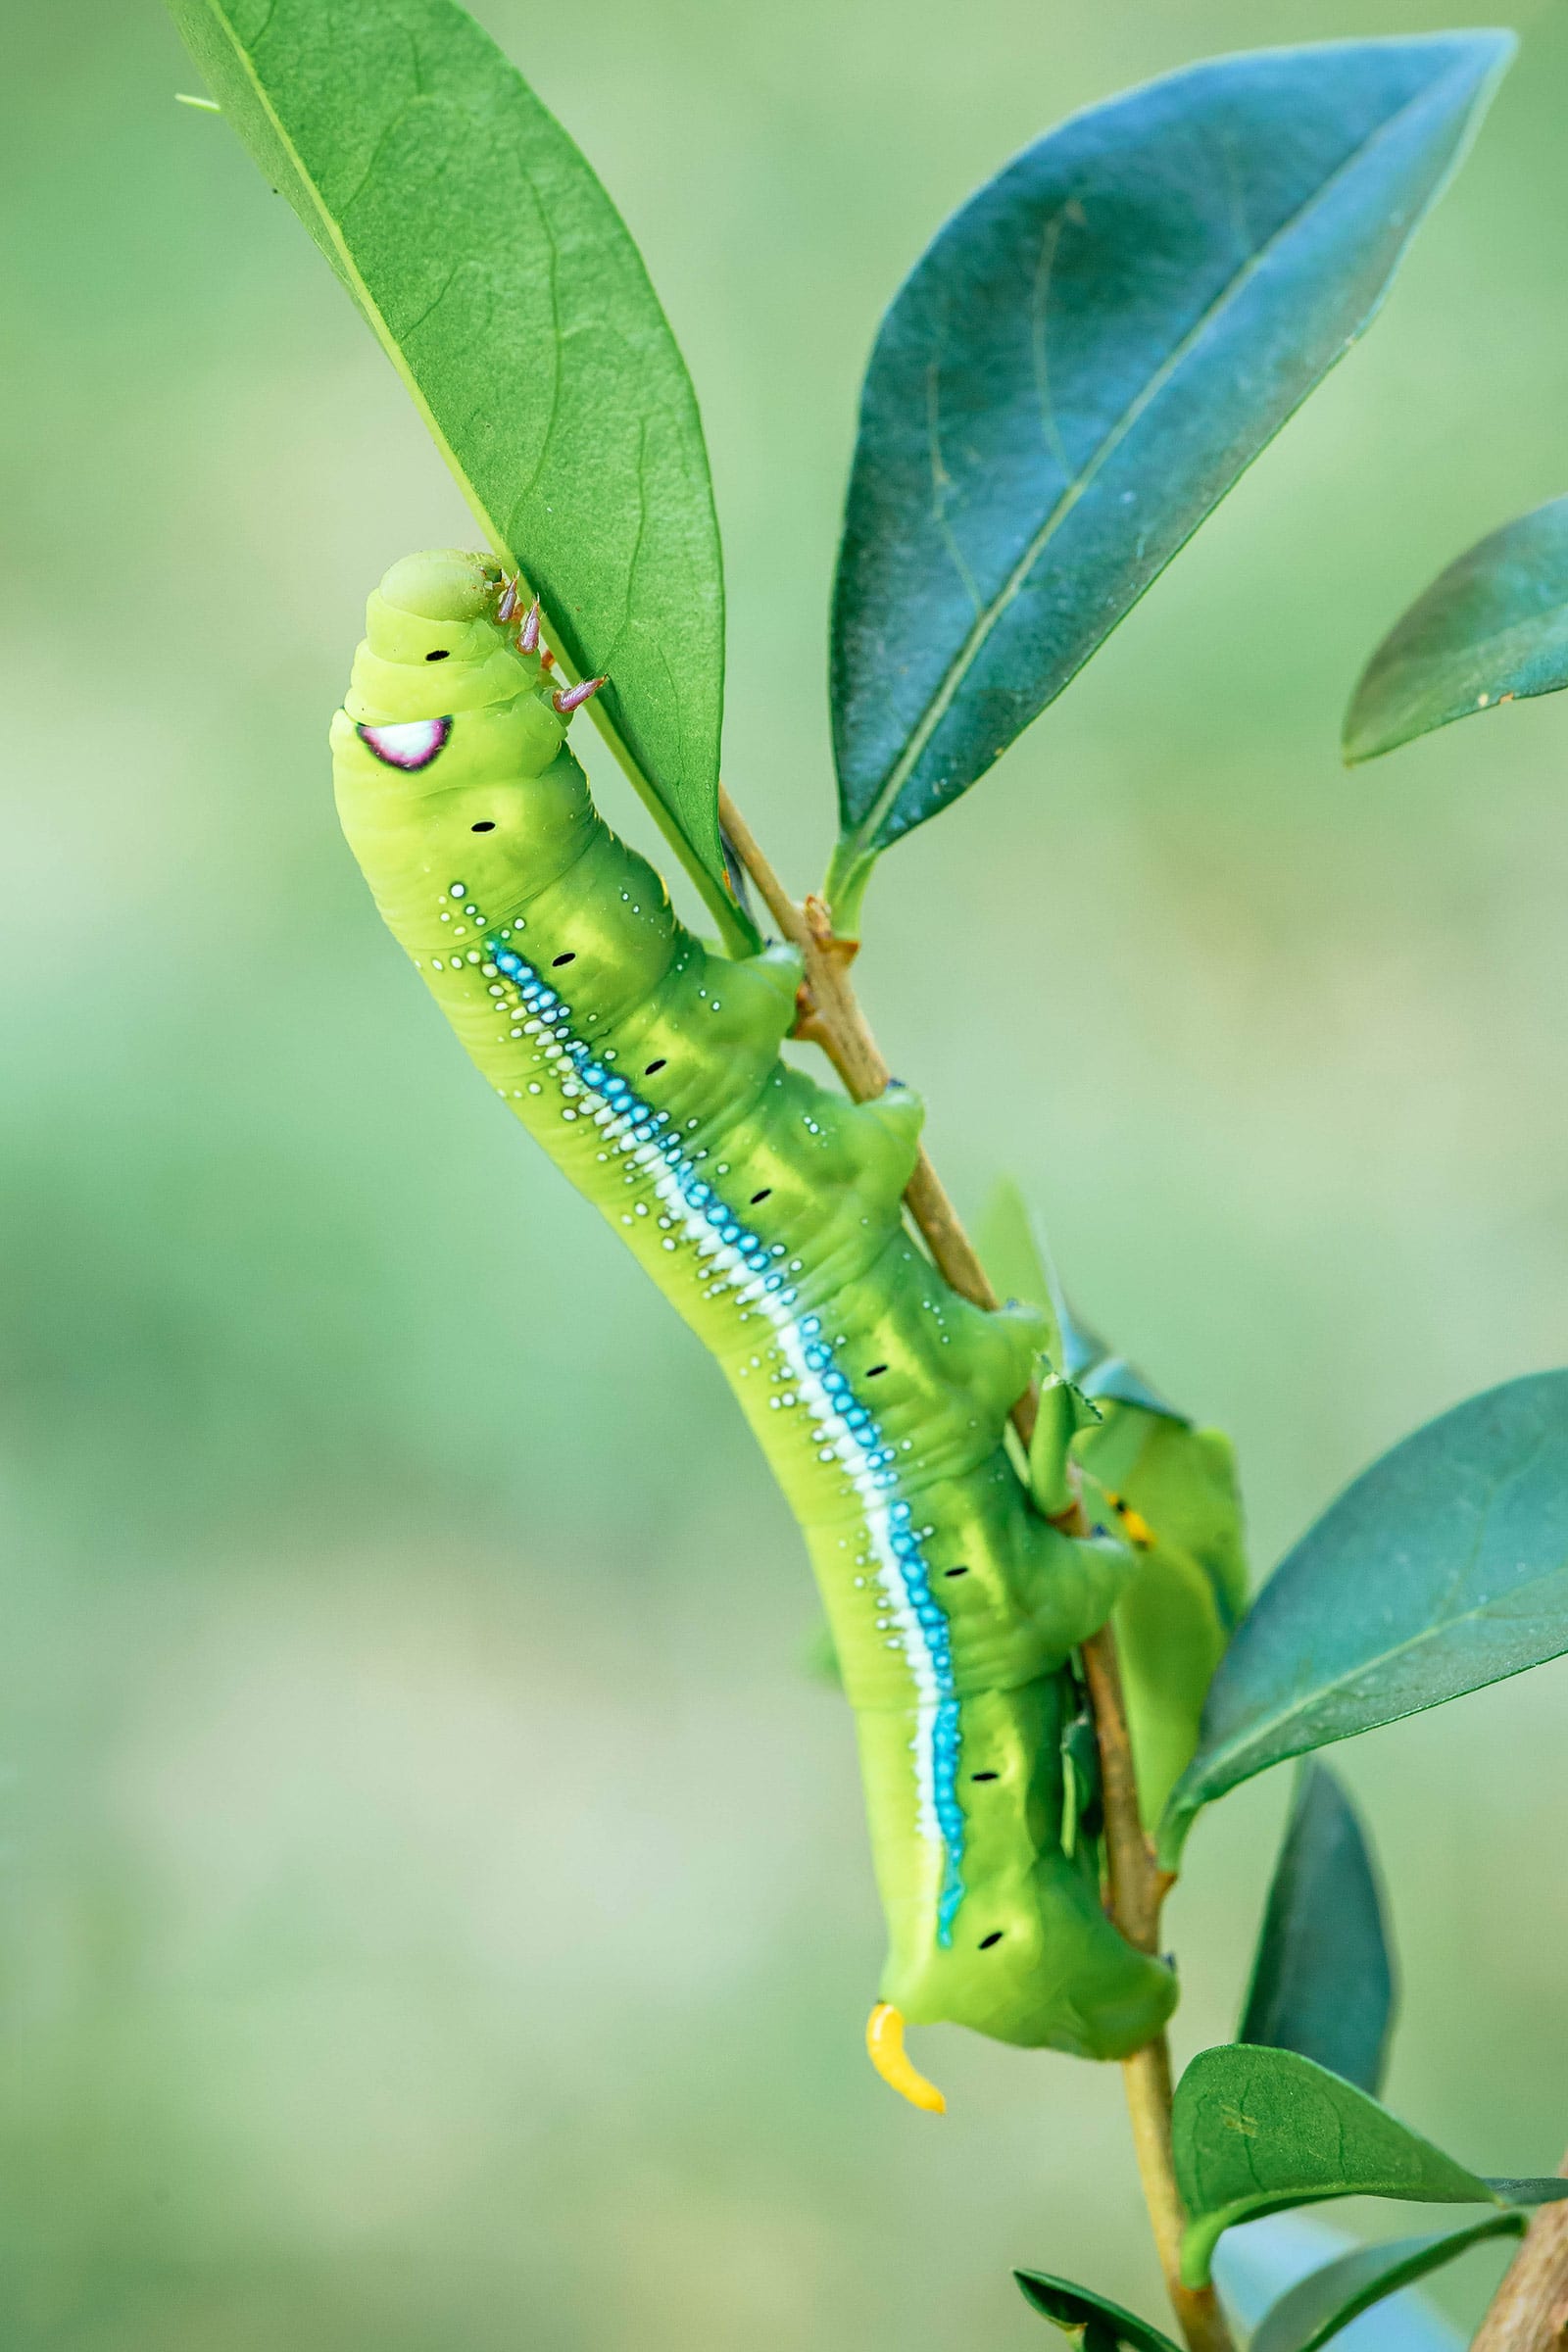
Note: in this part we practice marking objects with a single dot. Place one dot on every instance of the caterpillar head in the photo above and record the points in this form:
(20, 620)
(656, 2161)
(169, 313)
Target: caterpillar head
(452, 728)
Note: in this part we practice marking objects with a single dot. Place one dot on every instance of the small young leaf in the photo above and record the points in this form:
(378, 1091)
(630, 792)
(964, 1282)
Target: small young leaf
(1104, 2326)
(1015, 1258)
(820, 1658)
(1493, 629)
(1443, 1568)
(1175, 1491)
(1256, 2130)
(508, 293)
(1079, 365)
(1020, 1265)
(1332, 2297)
(1323, 1979)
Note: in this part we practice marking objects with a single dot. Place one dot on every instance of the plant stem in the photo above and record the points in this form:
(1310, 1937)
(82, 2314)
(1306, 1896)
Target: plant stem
(1528, 2311)
(830, 1016)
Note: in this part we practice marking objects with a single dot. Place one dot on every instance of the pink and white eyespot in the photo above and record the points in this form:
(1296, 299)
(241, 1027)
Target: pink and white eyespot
(413, 743)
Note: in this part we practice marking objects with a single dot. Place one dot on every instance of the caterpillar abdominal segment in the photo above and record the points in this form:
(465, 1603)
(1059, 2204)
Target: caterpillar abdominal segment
(767, 1210)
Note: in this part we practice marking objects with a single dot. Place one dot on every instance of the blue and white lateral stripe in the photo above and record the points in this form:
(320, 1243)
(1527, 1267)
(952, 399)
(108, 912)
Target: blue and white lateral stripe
(845, 1427)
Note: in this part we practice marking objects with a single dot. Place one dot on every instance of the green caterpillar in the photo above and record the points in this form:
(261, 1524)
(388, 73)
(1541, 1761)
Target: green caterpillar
(767, 1210)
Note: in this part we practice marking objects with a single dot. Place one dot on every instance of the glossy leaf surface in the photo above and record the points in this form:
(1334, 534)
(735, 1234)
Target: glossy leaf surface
(1256, 2130)
(1443, 1568)
(1328, 2299)
(1490, 629)
(1082, 363)
(1104, 2326)
(507, 291)
(1323, 1978)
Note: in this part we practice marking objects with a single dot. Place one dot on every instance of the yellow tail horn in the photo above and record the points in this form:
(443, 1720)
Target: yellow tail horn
(884, 2043)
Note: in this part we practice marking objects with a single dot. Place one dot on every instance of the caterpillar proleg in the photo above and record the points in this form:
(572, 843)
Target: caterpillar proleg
(768, 1210)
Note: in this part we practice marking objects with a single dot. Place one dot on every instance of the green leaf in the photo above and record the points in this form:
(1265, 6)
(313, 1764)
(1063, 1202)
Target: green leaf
(1493, 629)
(1323, 1978)
(1256, 2130)
(508, 295)
(1332, 2297)
(1441, 1569)
(1014, 1256)
(1174, 1614)
(820, 1658)
(1081, 365)
(1019, 1266)
(1104, 2326)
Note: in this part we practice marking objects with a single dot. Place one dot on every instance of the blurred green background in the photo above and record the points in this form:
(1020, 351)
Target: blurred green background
(433, 1906)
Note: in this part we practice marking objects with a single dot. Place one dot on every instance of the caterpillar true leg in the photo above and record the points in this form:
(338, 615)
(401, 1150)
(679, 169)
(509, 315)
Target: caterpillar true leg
(768, 1210)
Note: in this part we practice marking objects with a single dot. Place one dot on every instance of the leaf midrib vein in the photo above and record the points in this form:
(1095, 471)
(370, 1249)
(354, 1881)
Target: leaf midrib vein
(620, 746)
(979, 634)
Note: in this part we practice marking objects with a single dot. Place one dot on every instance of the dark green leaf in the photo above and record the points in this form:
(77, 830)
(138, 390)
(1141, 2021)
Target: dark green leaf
(1079, 365)
(1493, 629)
(1323, 1979)
(1332, 2297)
(1256, 2130)
(1077, 2311)
(509, 297)
(1441, 1568)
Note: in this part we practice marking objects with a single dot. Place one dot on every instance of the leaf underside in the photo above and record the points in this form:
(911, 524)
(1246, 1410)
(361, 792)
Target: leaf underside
(1443, 1568)
(1490, 629)
(1328, 2299)
(1323, 1978)
(1104, 2326)
(487, 259)
(1257, 2130)
(1082, 364)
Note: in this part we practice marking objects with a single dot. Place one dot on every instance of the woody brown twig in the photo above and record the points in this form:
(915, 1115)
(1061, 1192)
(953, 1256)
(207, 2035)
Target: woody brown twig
(830, 1016)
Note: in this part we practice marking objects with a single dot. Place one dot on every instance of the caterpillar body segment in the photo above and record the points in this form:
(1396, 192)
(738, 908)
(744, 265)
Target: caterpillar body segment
(767, 1210)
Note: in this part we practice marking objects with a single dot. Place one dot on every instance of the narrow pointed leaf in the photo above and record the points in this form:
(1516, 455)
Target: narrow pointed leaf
(1490, 629)
(1105, 2326)
(1258, 2263)
(1081, 365)
(1257, 2130)
(1323, 1978)
(1443, 1568)
(508, 295)
(1331, 2298)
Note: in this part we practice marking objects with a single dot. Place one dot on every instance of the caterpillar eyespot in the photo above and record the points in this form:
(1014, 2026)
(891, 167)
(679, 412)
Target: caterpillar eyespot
(441, 654)
(406, 743)
(769, 1215)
